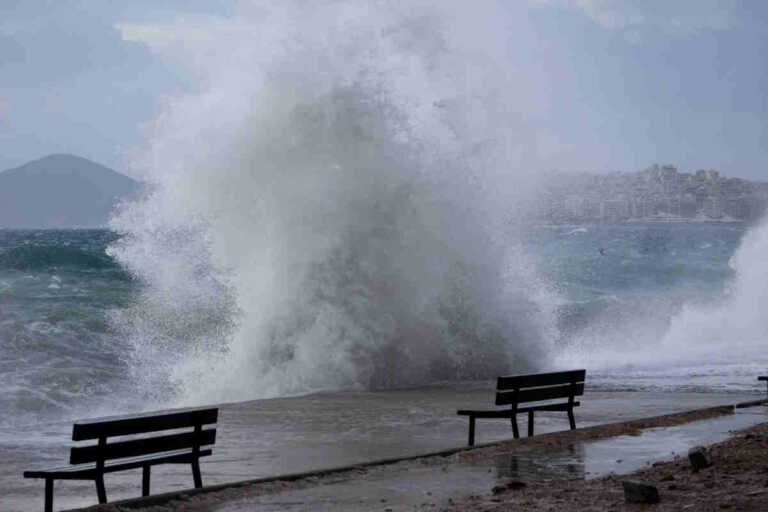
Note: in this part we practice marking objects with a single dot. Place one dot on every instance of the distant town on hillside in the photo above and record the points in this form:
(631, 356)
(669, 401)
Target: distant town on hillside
(656, 194)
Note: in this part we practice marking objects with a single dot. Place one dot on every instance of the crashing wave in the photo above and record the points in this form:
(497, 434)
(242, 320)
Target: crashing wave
(333, 209)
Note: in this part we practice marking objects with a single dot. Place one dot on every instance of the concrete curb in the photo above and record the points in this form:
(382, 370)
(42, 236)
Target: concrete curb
(751, 403)
(592, 432)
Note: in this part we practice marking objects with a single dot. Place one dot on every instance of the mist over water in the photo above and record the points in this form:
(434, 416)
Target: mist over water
(334, 209)
(347, 201)
(735, 328)
(344, 203)
(700, 325)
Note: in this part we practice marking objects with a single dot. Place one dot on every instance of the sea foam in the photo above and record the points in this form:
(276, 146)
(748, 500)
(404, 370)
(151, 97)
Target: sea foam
(701, 337)
(335, 208)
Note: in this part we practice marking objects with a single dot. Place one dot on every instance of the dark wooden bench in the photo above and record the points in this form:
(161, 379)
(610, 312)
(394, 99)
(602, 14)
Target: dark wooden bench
(525, 389)
(765, 378)
(141, 450)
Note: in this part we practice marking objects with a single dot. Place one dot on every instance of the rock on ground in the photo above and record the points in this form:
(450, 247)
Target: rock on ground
(736, 480)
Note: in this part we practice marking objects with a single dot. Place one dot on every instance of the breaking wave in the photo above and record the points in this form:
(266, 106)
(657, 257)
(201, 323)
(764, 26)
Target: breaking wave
(715, 338)
(332, 209)
(41, 257)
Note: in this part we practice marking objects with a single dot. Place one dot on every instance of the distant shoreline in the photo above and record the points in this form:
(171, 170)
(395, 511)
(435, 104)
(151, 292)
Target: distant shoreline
(587, 225)
(630, 222)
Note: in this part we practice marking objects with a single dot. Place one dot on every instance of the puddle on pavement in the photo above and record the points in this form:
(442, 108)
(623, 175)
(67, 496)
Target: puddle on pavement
(408, 486)
(624, 454)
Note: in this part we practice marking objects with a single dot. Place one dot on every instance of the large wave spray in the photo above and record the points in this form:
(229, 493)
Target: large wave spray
(333, 208)
(737, 328)
(720, 339)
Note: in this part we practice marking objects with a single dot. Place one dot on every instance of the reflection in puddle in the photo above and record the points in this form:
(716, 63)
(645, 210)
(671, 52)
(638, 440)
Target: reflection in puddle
(433, 484)
(565, 463)
(622, 454)
(625, 454)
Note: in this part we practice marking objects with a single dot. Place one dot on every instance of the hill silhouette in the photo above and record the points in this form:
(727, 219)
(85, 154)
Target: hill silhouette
(61, 191)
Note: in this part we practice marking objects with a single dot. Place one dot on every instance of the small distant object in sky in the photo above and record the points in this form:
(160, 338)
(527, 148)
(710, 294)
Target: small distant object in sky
(602, 251)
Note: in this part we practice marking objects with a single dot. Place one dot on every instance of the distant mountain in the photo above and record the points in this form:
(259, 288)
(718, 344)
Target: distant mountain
(61, 191)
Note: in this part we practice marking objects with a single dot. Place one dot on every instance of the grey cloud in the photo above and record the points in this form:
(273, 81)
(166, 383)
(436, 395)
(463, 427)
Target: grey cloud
(55, 52)
(637, 18)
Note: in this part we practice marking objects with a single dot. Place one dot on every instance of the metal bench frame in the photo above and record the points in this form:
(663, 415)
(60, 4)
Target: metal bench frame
(93, 461)
(537, 387)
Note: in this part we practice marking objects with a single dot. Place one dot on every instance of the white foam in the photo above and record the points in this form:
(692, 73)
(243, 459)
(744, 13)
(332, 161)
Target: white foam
(331, 209)
(730, 334)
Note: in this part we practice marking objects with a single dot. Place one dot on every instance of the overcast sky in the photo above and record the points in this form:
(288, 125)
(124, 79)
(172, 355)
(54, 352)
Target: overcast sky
(627, 83)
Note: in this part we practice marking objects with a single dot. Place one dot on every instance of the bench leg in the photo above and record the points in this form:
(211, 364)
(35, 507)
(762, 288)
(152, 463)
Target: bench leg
(471, 440)
(530, 423)
(145, 480)
(571, 419)
(101, 492)
(515, 432)
(49, 495)
(196, 473)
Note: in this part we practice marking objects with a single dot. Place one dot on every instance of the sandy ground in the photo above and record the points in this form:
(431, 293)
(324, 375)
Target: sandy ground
(737, 479)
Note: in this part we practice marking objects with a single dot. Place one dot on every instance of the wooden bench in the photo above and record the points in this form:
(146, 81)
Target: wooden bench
(765, 378)
(524, 389)
(140, 450)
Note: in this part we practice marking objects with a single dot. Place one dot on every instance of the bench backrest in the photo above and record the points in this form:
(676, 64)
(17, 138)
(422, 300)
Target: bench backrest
(537, 387)
(192, 420)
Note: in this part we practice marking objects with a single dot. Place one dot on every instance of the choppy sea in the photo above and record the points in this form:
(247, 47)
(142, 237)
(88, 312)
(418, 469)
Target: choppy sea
(660, 309)
(619, 290)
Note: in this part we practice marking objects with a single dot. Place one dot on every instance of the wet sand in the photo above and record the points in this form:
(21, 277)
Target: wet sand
(553, 468)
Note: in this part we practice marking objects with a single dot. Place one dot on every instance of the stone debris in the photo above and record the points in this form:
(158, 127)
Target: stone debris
(698, 458)
(737, 480)
(639, 492)
(509, 486)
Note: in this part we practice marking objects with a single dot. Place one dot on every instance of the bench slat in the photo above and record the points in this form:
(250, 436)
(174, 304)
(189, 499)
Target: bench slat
(538, 394)
(540, 379)
(138, 447)
(143, 423)
(541, 387)
(507, 413)
(564, 406)
(88, 471)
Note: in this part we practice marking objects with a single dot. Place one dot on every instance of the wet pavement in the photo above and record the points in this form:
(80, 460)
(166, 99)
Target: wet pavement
(289, 435)
(429, 484)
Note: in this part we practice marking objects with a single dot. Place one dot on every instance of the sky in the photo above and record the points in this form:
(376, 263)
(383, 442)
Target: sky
(619, 85)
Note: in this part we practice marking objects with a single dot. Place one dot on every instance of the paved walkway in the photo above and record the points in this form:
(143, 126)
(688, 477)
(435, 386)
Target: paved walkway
(429, 483)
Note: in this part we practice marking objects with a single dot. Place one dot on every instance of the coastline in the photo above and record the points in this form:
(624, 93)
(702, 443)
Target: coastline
(230, 497)
(283, 436)
(647, 221)
(737, 479)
